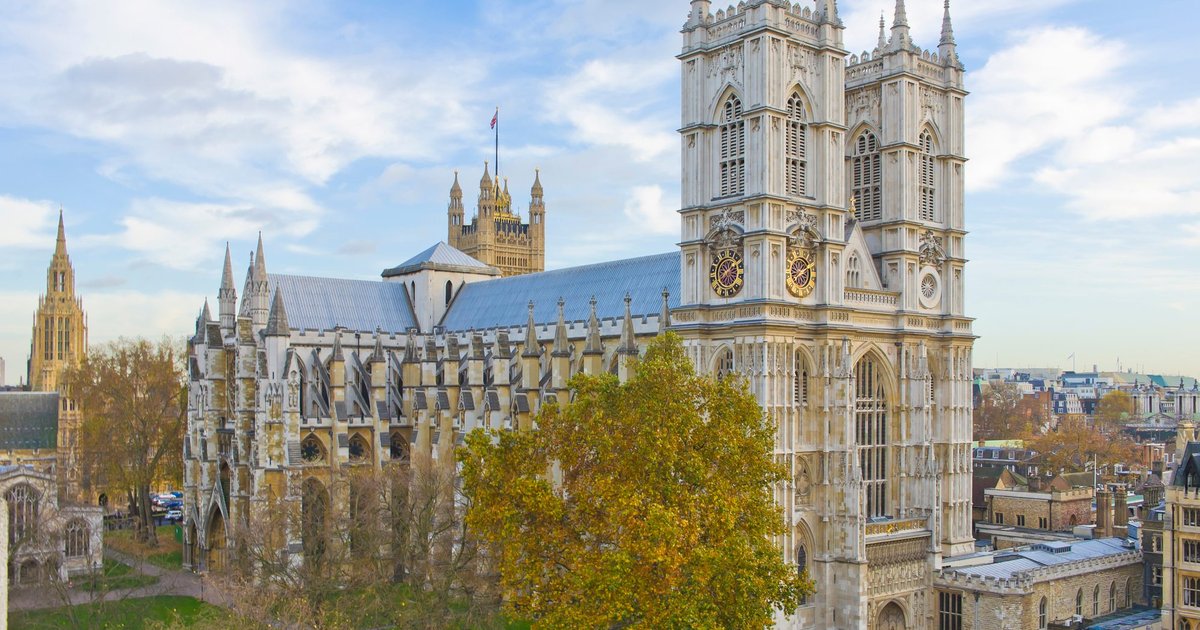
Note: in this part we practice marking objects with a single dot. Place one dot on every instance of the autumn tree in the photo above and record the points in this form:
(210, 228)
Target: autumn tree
(1076, 447)
(645, 504)
(134, 403)
(998, 416)
(1112, 411)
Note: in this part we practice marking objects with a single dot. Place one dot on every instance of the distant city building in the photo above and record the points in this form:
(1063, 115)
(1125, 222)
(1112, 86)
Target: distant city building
(1004, 454)
(1023, 511)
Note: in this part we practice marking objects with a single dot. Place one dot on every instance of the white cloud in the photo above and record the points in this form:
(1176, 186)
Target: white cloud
(1050, 86)
(861, 18)
(650, 212)
(27, 223)
(139, 314)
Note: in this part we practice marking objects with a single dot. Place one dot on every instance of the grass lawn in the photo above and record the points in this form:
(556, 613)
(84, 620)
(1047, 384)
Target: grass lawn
(116, 575)
(168, 554)
(129, 614)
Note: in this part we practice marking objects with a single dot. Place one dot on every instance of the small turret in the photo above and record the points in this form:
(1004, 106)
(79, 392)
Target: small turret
(699, 14)
(900, 34)
(829, 12)
(485, 183)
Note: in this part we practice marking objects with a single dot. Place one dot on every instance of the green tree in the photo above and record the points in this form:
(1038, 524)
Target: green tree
(999, 415)
(134, 403)
(1074, 447)
(1112, 411)
(646, 504)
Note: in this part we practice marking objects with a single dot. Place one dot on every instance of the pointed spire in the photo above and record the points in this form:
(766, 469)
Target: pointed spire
(378, 355)
(227, 274)
(882, 45)
(247, 289)
(947, 49)
(536, 190)
(593, 345)
(562, 347)
(206, 313)
(60, 246)
(947, 27)
(486, 182)
(456, 189)
(664, 316)
(901, 17)
(260, 262)
(410, 347)
(531, 344)
(628, 343)
(277, 323)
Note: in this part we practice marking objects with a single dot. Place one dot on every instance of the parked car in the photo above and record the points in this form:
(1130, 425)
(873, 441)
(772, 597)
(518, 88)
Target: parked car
(173, 505)
(175, 515)
(177, 494)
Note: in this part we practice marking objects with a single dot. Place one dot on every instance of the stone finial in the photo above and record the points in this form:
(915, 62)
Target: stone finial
(455, 188)
(562, 347)
(378, 355)
(593, 345)
(531, 342)
(882, 45)
(628, 340)
(485, 183)
(260, 262)
(664, 315)
(900, 33)
(337, 345)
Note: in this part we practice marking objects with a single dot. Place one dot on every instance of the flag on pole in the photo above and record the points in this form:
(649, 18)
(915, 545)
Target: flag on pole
(495, 119)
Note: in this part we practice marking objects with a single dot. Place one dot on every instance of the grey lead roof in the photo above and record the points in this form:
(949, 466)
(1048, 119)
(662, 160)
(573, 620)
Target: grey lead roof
(504, 302)
(28, 420)
(1012, 564)
(358, 305)
(440, 255)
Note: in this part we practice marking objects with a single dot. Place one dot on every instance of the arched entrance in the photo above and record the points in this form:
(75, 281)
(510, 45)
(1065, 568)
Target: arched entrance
(891, 618)
(216, 542)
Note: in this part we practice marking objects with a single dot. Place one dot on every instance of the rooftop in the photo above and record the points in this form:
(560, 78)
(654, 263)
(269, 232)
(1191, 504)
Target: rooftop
(1013, 563)
(357, 305)
(28, 420)
(443, 257)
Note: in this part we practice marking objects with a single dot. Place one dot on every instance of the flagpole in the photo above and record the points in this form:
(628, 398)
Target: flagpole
(497, 141)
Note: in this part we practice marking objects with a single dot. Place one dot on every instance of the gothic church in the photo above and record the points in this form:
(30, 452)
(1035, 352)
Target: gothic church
(821, 257)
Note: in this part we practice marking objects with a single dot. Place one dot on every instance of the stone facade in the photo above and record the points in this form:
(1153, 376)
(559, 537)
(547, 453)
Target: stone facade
(846, 319)
(1049, 511)
(45, 538)
(496, 235)
(1181, 537)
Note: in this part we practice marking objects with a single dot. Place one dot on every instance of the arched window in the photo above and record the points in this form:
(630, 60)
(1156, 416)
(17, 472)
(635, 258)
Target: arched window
(871, 416)
(802, 565)
(796, 146)
(1079, 602)
(1129, 593)
(1096, 601)
(800, 382)
(867, 174)
(449, 290)
(853, 272)
(399, 448)
(927, 182)
(358, 448)
(1042, 617)
(311, 449)
(77, 539)
(725, 364)
(733, 149)
(22, 513)
(1112, 597)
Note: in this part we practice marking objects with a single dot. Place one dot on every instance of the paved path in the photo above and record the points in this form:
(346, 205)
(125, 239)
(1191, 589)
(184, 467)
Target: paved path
(170, 582)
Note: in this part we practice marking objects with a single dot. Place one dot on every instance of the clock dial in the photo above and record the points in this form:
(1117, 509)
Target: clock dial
(801, 274)
(727, 273)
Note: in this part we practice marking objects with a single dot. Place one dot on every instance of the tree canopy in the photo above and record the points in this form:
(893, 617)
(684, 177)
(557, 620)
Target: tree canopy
(1112, 411)
(1074, 447)
(642, 504)
(1004, 413)
(134, 403)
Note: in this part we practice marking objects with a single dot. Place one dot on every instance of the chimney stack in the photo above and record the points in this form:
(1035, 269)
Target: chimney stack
(1121, 513)
(1103, 514)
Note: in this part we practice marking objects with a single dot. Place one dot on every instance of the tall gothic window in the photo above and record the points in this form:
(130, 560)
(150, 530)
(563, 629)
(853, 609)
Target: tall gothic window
(1042, 614)
(927, 187)
(853, 273)
(867, 176)
(797, 148)
(77, 539)
(733, 149)
(22, 513)
(871, 419)
(725, 364)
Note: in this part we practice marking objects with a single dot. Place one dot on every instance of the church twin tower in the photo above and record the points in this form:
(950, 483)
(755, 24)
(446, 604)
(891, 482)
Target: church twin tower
(496, 235)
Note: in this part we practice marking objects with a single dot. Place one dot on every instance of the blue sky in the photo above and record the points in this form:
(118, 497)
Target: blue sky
(166, 129)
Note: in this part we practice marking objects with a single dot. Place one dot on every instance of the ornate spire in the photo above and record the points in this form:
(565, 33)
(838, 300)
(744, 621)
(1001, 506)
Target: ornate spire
(378, 355)
(277, 323)
(628, 342)
(260, 262)
(531, 344)
(536, 190)
(882, 32)
(946, 47)
(456, 189)
(593, 345)
(60, 247)
(206, 313)
(562, 348)
(485, 183)
(227, 274)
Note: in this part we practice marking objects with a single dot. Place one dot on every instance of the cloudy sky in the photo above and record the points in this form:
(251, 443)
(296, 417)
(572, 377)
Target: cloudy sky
(166, 129)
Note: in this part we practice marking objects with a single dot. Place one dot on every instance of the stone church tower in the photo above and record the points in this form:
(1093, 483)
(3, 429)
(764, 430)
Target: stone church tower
(60, 341)
(496, 235)
(822, 261)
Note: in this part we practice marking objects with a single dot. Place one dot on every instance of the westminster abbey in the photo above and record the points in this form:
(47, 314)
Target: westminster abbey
(821, 256)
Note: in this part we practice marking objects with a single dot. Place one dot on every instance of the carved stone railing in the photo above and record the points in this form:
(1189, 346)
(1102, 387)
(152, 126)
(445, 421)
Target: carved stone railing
(894, 527)
(874, 298)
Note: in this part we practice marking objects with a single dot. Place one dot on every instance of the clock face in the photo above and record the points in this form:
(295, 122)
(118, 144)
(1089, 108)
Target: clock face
(801, 274)
(726, 274)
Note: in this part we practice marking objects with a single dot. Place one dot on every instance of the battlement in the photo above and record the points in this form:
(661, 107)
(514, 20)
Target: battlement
(801, 19)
